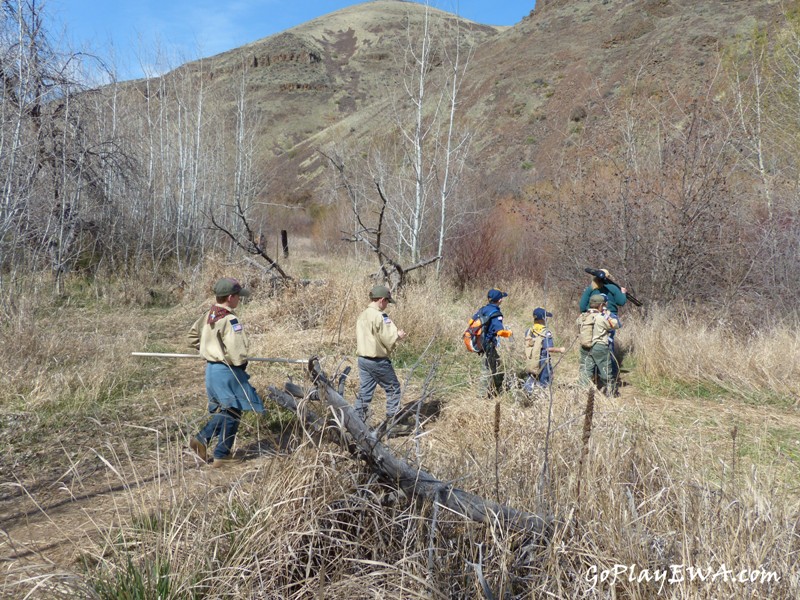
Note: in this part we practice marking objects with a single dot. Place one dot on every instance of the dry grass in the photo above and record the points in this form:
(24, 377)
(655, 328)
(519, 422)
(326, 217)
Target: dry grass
(663, 482)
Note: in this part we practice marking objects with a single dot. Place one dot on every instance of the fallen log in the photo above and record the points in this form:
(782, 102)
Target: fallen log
(414, 482)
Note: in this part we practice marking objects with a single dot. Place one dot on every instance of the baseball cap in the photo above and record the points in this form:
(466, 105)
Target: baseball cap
(540, 313)
(381, 291)
(597, 299)
(494, 295)
(228, 286)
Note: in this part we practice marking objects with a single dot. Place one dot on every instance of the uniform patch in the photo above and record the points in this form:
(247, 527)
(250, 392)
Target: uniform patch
(236, 325)
(386, 319)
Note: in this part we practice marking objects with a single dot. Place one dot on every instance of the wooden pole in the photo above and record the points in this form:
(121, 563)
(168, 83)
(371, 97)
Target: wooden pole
(293, 361)
(285, 243)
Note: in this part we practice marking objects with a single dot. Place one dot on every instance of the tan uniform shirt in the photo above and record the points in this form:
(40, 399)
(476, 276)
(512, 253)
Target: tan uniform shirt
(603, 323)
(376, 335)
(223, 341)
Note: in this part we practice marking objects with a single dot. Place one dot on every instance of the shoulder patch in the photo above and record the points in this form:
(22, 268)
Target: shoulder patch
(236, 325)
(386, 319)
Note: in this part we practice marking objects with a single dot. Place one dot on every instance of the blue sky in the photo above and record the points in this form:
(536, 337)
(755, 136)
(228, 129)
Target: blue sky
(131, 33)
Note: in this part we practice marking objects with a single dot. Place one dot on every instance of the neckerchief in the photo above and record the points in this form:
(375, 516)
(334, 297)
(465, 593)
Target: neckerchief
(216, 313)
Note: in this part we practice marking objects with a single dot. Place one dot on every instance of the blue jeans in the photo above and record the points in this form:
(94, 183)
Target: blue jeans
(224, 423)
(614, 364)
(373, 372)
(229, 393)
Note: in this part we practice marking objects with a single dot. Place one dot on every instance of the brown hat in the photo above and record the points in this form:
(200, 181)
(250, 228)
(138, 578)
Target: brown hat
(380, 291)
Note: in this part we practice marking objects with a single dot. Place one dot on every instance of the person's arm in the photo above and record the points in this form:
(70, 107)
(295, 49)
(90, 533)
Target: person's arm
(496, 328)
(608, 322)
(618, 296)
(584, 303)
(386, 331)
(194, 332)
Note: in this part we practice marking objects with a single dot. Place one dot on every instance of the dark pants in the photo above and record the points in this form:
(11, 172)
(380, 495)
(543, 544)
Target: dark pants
(492, 371)
(373, 372)
(223, 423)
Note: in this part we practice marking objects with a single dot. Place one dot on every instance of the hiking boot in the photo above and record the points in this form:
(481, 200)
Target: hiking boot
(198, 448)
(225, 462)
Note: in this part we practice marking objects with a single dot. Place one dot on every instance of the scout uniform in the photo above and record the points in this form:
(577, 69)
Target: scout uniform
(376, 337)
(219, 336)
(615, 299)
(491, 314)
(538, 339)
(595, 329)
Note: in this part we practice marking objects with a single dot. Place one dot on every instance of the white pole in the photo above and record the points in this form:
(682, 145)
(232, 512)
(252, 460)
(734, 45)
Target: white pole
(294, 361)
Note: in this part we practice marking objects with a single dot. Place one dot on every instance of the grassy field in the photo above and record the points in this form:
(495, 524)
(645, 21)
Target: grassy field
(688, 486)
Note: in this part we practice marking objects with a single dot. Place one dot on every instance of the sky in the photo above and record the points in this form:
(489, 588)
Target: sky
(131, 33)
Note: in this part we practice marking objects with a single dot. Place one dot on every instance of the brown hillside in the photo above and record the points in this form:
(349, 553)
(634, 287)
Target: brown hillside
(538, 94)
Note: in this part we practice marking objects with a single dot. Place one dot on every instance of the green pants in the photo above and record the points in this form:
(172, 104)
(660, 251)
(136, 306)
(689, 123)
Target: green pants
(598, 360)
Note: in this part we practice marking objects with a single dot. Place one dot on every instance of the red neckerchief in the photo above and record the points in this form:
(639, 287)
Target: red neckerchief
(216, 313)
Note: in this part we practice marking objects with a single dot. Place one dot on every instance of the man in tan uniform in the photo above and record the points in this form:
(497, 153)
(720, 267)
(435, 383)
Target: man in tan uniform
(220, 338)
(376, 337)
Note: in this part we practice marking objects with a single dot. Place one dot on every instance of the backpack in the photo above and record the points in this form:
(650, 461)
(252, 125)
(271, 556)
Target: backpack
(533, 352)
(474, 334)
(586, 329)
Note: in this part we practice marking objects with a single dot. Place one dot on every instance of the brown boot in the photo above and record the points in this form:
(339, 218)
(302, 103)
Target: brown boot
(225, 462)
(198, 448)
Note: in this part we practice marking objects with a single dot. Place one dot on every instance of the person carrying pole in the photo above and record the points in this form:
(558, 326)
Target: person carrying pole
(219, 337)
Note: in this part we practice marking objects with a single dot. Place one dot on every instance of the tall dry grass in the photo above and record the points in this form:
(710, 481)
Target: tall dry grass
(657, 487)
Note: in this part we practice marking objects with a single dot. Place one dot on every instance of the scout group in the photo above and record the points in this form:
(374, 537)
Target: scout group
(219, 337)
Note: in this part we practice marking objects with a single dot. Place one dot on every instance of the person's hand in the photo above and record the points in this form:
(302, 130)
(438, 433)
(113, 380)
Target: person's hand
(624, 290)
(401, 334)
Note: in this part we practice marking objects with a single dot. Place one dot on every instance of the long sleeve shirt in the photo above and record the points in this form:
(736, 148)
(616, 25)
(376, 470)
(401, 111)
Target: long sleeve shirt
(493, 326)
(614, 297)
(220, 339)
(376, 334)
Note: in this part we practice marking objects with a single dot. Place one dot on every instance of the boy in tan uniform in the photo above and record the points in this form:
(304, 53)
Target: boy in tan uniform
(594, 326)
(220, 338)
(376, 337)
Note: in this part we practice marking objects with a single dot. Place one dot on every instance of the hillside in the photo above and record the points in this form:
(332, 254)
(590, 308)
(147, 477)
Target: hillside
(541, 93)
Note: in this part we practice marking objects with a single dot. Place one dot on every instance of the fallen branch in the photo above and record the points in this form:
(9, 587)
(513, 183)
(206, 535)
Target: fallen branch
(412, 481)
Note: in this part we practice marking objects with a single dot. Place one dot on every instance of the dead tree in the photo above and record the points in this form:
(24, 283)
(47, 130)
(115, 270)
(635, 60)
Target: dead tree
(372, 236)
(413, 481)
(248, 242)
